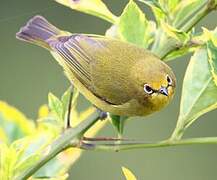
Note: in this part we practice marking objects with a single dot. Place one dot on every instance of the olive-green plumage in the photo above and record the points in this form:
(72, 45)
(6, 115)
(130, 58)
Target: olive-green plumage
(117, 77)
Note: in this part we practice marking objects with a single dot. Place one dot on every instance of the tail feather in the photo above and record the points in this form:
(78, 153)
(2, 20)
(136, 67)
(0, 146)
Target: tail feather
(37, 31)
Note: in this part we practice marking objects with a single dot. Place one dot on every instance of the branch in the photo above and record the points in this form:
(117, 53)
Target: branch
(60, 144)
(127, 144)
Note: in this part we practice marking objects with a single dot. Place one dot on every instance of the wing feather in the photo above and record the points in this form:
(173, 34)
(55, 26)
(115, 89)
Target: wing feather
(74, 57)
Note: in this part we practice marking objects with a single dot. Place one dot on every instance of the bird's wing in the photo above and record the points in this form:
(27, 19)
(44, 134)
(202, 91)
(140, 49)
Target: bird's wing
(94, 64)
(74, 56)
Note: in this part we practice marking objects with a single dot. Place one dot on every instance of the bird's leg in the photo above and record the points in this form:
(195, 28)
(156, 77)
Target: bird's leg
(68, 123)
(102, 114)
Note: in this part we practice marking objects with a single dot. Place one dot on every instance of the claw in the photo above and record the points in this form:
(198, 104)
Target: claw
(102, 115)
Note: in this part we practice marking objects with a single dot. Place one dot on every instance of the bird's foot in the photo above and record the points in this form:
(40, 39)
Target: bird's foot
(102, 115)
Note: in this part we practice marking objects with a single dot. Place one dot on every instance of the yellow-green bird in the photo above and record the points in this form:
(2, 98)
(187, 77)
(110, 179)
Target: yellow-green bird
(115, 76)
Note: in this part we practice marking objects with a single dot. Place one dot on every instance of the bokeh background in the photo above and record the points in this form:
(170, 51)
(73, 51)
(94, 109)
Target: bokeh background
(28, 73)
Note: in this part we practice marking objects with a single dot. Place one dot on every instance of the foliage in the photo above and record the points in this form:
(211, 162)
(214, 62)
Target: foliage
(27, 145)
(24, 142)
(128, 174)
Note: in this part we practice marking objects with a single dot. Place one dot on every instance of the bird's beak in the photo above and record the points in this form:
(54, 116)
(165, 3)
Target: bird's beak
(164, 91)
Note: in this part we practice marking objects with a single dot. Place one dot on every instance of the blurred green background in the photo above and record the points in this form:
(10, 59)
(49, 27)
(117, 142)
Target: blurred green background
(28, 73)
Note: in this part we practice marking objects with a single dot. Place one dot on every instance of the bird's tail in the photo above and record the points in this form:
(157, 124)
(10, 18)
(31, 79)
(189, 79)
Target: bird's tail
(37, 31)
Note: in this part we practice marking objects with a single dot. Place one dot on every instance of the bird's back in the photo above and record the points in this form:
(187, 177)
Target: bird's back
(109, 73)
(112, 67)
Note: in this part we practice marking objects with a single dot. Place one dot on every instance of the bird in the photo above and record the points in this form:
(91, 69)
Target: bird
(115, 76)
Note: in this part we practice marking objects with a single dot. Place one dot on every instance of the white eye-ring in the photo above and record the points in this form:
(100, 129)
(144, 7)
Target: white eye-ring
(169, 80)
(148, 89)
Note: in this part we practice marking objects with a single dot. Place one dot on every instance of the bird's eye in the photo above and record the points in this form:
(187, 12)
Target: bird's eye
(169, 80)
(148, 89)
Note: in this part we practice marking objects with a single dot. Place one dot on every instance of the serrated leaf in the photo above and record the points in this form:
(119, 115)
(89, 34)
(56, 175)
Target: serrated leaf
(158, 11)
(193, 44)
(55, 105)
(180, 36)
(210, 37)
(128, 174)
(212, 53)
(185, 9)
(199, 92)
(93, 7)
(134, 27)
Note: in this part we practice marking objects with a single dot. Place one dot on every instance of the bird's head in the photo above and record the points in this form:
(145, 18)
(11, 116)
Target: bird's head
(156, 86)
(159, 93)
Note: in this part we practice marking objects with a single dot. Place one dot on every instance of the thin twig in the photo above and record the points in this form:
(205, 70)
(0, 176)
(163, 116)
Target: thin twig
(127, 145)
(68, 123)
(106, 139)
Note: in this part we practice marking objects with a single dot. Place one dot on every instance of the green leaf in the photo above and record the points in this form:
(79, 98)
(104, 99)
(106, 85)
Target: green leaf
(8, 158)
(93, 7)
(58, 177)
(214, 37)
(212, 53)
(152, 3)
(65, 101)
(134, 27)
(162, 9)
(52, 168)
(199, 92)
(128, 174)
(158, 11)
(55, 105)
(75, 96)
(112, 32)
(32, 148)
(180, 36)
(193, 43)
(23, 166)
(14, 124)
(171, 4)
(74, 100)
(209, 38)
(184, 10)
(67, 96)
(178, 53)
(118, 122)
